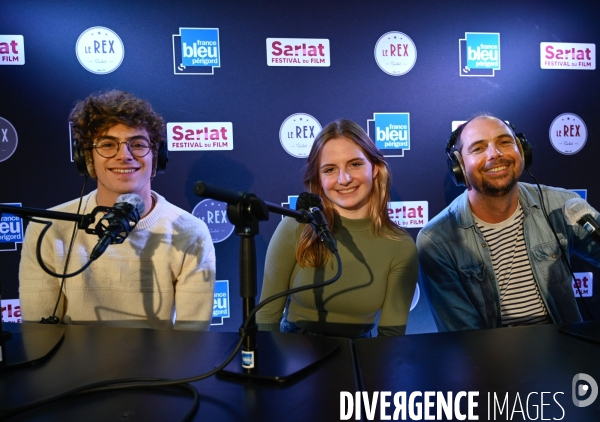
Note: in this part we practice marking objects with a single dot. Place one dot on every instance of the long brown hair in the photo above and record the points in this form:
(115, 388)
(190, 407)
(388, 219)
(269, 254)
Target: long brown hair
(311, 252)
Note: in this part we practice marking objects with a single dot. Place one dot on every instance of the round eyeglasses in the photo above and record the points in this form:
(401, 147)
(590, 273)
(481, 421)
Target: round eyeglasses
(108, 148)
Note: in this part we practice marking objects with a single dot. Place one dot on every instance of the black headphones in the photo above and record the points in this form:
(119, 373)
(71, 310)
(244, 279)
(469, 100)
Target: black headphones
(162, 157)
(455, 161)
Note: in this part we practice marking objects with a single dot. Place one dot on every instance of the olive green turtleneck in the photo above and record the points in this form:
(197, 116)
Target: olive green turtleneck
(378, 274)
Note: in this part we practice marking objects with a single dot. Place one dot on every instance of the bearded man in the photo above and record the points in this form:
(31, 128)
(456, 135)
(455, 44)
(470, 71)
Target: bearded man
(491, 258)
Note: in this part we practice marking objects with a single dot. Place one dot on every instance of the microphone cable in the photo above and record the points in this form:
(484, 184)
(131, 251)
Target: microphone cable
(184, 383)
(38, 252)
(53, 319)
(564, 254)
(107, 239)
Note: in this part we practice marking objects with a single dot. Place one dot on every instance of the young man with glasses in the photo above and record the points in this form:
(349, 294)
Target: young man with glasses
(165, 268)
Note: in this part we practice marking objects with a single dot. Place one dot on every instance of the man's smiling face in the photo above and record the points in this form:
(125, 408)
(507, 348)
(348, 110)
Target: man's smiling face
(123, 173)
(491, 155)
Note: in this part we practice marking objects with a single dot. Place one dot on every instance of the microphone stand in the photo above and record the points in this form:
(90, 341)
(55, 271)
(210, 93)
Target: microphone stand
(281, 357)
(24, 342)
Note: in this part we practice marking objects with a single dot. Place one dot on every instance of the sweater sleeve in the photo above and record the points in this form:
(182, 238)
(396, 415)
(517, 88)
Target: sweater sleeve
(401, 283)
(279, 267)
(194, 289)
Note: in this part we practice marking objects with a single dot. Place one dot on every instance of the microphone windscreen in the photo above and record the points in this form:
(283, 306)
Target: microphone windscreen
(307, 200)
(133, 199)
(574, 209)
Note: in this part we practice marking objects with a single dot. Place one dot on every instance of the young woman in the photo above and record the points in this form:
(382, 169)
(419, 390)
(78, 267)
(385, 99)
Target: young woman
(379, 260)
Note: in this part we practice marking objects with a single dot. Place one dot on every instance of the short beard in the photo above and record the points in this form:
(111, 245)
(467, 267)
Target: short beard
(495, 192)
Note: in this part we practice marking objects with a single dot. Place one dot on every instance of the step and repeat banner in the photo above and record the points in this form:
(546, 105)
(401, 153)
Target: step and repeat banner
(246, 86)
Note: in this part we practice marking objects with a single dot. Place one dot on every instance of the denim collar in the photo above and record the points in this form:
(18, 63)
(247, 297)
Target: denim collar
(461, 208)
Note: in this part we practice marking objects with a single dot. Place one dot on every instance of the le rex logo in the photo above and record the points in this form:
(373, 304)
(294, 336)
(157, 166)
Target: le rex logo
(100, 50)
(395, 53)
(568, 133)
(198, 136)
(9, 139)
(214, 214)
(311, 52)
(479, 54)
(12, 49)
(196, 51)
(297, 134)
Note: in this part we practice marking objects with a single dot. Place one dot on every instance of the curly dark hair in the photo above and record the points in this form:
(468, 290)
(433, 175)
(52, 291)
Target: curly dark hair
(100, 111)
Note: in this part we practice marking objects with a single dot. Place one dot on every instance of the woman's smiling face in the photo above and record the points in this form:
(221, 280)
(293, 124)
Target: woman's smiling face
(347, 176)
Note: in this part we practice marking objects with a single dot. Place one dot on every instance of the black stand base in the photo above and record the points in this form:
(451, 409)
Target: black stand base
(30, 342)
(281, 356)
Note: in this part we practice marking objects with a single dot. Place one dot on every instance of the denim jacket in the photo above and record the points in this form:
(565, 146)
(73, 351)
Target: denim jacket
(456, 269)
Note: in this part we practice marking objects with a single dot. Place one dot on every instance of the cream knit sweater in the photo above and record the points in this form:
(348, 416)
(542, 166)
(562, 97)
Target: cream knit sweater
(166, 264)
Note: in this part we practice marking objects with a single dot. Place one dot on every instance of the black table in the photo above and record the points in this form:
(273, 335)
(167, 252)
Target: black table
(92, 353)
(519, 360)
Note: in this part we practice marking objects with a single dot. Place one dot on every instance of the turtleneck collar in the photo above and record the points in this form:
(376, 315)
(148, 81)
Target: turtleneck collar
(352, 225)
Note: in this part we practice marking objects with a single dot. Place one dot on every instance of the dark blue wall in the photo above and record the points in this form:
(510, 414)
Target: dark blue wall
(37, 96)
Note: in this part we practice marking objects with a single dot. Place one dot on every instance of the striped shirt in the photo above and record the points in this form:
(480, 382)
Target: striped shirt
(520, 297)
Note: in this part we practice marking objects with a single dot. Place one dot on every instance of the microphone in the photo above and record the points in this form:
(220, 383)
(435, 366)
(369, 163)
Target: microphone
(116, 224)
(311, 206)
(578, 211)
(305, 201)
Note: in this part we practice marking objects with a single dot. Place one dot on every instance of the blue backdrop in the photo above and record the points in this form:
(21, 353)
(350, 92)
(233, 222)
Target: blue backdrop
(238, 87)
